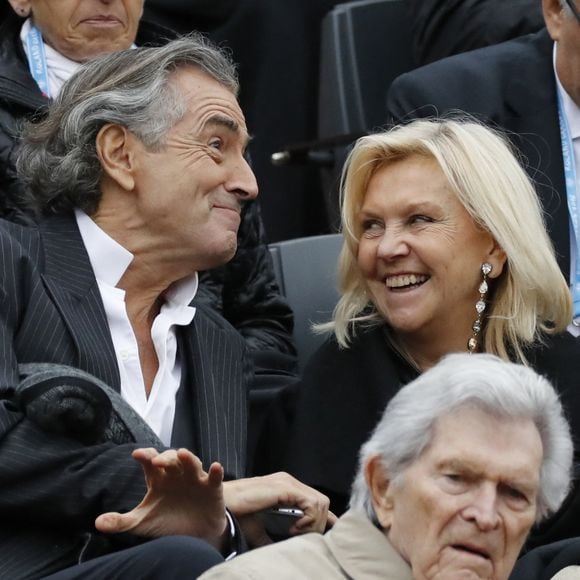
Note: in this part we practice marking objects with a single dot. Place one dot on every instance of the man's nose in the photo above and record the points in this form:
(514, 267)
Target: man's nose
(242, 181)
(483, 509)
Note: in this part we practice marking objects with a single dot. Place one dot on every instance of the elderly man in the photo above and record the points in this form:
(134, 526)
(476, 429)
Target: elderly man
(530, 87)
(463, 462)
(138, 176)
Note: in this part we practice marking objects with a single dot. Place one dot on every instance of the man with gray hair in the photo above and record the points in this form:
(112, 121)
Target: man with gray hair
(137, 177)
(465, 459)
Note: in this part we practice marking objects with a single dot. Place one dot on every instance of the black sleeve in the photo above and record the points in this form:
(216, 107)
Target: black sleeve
(245, 290)
(47, 478)
(341, 397)
(11, 195)
(558, 359)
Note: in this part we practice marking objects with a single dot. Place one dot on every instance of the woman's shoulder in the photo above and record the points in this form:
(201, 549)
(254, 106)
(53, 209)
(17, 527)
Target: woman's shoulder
(555, 352)
(558, 359)
(368, 358)
(366, 341)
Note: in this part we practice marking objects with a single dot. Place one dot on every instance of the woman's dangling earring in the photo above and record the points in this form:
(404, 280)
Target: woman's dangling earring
(480, 305)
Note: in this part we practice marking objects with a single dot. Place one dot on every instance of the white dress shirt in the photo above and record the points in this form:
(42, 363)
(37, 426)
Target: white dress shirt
(110, 260)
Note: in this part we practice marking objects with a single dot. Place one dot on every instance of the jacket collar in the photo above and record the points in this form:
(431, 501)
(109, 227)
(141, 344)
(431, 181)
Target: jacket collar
(363, 551)
(16, 82)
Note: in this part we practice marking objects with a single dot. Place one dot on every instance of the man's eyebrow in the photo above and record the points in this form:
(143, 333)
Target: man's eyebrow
(223, 121)
(457, 465)
(468, 470)
(226, 122)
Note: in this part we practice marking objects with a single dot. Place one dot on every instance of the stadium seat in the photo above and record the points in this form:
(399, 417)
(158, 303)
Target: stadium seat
(365, 45)
(306, 272)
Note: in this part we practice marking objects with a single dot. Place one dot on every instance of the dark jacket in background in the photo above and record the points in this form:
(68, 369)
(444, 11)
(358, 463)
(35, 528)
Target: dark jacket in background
(545, 562)
(440, 28)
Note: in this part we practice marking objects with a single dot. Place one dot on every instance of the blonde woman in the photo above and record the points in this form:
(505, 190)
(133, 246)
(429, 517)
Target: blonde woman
(445, 251)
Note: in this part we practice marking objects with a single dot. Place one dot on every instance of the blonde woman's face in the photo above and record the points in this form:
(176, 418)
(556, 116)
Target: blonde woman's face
(420, 253)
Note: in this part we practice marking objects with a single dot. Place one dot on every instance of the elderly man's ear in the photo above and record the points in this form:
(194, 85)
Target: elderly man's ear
(21, 7)
(381, 491)
(115, 149)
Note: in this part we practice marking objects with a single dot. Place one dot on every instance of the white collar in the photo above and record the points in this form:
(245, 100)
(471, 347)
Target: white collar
(110, 261)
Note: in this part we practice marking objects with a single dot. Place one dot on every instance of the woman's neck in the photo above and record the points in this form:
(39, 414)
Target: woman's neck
(426, 352)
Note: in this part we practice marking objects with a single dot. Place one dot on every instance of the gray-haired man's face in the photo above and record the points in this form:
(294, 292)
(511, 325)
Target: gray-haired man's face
(465, 507)
(187, 195)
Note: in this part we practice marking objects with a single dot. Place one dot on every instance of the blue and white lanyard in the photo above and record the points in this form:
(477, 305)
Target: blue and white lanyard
(37, 59)
(573, 202)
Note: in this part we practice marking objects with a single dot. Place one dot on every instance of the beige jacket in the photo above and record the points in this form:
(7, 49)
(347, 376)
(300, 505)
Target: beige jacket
(354, 548)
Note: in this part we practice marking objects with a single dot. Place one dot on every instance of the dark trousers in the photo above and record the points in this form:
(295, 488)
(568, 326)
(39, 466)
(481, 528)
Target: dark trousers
(168, 558)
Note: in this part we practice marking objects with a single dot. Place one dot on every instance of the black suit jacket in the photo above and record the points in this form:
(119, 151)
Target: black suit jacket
(511, 86)
(52, 487)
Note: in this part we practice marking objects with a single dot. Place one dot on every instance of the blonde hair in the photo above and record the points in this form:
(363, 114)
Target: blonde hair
(531, 297)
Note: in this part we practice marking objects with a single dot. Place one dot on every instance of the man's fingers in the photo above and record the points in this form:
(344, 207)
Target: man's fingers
(331, 520)
(114, 523)
(144, 454)
(190, 462)
(215, 474)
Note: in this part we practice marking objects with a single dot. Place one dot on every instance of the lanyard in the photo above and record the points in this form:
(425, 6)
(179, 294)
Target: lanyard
(572, 196)
(37, 59)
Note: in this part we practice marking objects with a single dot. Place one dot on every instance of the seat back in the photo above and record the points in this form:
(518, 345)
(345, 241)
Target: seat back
(306, 272)
(365, 45)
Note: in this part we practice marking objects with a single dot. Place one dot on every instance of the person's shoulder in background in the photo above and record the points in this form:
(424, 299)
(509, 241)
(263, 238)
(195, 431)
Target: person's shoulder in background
(441, 28)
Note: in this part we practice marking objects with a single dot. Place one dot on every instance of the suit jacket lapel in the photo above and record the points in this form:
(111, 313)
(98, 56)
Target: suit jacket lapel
(215, 413)
(70, 280)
